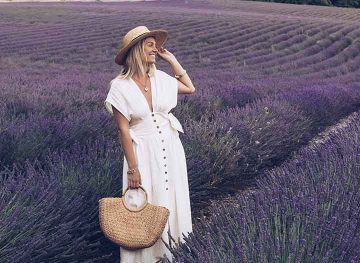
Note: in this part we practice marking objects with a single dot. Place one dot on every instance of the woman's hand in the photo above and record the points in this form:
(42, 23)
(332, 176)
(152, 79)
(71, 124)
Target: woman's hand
(166, 55)
(134, 180)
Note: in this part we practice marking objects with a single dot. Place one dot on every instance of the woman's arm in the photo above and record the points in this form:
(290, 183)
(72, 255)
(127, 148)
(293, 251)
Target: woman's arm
(126, 142)
(185, 85)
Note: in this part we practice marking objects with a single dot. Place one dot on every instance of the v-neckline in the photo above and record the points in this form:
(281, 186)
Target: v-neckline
(143, 96)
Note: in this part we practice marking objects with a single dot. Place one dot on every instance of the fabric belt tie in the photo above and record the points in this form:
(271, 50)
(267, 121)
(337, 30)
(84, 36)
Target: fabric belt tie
(174, 123)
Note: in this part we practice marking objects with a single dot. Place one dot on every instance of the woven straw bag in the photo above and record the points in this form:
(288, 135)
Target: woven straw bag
(128, 227)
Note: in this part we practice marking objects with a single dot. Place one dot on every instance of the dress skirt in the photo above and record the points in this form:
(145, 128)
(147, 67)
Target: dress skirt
(162, 165)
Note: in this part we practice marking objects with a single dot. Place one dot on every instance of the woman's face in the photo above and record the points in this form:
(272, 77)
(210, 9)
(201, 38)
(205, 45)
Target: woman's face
(150, 49)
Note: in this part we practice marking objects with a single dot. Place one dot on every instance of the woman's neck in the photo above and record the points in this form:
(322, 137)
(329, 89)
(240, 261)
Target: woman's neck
(143, 78)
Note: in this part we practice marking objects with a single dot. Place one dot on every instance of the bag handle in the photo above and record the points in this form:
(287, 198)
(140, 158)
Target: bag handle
(130, 208)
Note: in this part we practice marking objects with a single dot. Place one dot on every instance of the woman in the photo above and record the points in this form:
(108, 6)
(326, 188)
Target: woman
(140, 99)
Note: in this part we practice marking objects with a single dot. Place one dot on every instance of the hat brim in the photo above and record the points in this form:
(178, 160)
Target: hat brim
(160, 36)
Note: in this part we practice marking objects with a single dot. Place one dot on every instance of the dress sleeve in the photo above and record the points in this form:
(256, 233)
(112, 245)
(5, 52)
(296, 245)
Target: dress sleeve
(174, 87)
(172, 84)
(116, 98)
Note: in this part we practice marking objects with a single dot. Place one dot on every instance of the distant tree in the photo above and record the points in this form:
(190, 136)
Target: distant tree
(339, 3)
(326, 2)
(318, 2)
(347, 3)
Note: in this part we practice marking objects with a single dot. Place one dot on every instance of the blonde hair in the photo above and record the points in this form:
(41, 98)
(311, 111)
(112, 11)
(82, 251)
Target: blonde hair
(135, 63)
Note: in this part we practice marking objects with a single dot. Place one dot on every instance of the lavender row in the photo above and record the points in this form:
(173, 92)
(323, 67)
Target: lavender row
(307, 209)
(231, 148)
(227, 130)
(288, 10)
(75, 177)
(239, 43)
(52, 205)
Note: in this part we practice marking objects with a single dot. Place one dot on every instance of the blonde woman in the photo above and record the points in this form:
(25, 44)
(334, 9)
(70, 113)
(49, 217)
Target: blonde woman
(140, 99)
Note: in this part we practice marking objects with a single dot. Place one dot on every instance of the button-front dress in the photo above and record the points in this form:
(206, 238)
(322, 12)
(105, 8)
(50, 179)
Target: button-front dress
(160, 156)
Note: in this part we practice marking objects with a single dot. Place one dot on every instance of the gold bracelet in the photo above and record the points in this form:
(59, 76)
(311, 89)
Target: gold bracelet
(179, 76)
(131, 171)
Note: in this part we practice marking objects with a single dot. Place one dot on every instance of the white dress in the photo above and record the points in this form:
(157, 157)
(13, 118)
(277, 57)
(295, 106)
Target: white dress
(160, 156)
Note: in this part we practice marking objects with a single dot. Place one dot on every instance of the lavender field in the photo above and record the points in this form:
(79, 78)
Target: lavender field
(270, 79)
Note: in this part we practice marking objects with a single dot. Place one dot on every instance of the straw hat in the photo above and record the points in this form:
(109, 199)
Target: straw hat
(135, 35)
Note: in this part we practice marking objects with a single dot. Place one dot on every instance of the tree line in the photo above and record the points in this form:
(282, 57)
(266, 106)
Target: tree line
(338, 3)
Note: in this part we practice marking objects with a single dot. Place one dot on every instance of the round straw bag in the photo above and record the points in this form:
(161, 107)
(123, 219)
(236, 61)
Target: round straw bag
(129, 227)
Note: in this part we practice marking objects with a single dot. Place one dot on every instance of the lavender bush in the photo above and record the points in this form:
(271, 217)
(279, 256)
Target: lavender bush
(36, 136)
(305, 210)
(49, 210)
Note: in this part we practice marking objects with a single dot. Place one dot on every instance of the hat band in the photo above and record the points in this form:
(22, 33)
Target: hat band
(132, 40)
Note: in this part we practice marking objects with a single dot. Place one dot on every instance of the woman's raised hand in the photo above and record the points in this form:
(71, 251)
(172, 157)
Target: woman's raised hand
(166, 55)
(134, 180)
